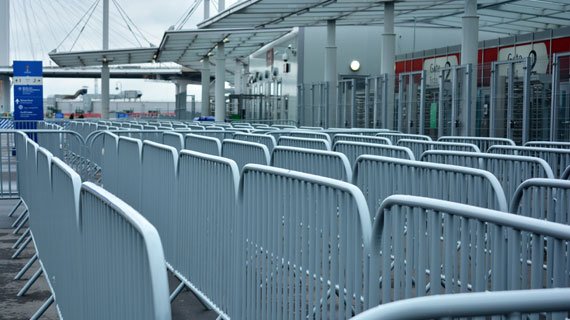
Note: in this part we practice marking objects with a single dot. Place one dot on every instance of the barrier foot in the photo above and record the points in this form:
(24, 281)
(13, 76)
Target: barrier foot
(17, 253)
(43, 308)
(177, 291)
(20, 217)
(27, 266)
(22, 237)
(15, 208)
(31, 282)
(21, 225)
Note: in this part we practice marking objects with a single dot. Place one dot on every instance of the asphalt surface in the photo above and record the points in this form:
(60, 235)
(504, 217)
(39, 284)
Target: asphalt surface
(186, 306)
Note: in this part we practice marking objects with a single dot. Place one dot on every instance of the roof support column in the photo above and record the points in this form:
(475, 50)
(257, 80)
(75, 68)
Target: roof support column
(181, 93)
(220, 83)
(237, 77)
(5, 54)
(331, 76)
(205, 75)
(388, 61)
(469, 54)
(206, 4)
(105, 75)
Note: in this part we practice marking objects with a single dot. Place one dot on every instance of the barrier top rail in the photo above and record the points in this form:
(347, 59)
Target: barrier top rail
(477, 304)
(308, 143)
(548, 144)
(482, 142)
(267, 140)
(566, 174)
(395, 136)
(244, 152)
(540, 183)
(310, 134)
(420, 146)
(558, 159)
(361, 138)
(205, 144)
(355, 149)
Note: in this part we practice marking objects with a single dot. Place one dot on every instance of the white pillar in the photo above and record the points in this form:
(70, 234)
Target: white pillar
(237, 77)
(105, 76)
(5, 54)
(206, 4)
(469, 53)
(221, 5)
(205, 74)
(181, 92)
(388, 61)
(220, 83)
(331, 75)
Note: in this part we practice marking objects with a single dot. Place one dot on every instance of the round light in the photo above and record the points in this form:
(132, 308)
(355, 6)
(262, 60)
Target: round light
(355, 65)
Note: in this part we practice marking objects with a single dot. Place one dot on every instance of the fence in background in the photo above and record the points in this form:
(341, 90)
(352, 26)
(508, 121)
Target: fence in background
(329, 164)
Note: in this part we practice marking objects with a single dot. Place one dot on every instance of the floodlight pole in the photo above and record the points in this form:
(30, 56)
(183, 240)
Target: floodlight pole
(469, 54)
(331, 76)
(205, 72)
(388, 60)
(105, 76)
(5, 53)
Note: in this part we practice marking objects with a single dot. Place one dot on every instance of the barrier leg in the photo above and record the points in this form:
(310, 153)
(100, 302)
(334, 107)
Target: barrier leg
(177, 291)
(22, 237)
(17, 253)
(20, 217)
(21, 225)
(43, 308)
(26, 267)
(15, 208)
(31, 282)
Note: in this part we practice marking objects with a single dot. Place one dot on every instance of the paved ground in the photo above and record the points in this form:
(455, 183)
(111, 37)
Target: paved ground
(186, 306)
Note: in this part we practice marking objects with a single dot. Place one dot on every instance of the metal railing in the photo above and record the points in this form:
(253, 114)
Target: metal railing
(395, 137)
(359, 138)
(353, 150)
(204, 144)
(482, 142)
(329, 164)
(244, 152)
(267, 140)
(308, 143)
(558, 159)
(418, 147)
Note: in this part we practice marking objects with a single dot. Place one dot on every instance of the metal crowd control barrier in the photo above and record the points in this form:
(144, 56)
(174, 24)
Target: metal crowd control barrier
(482, 142)
(558, 159)
(418, 146)
(301, 248)
(204, 144)
(158, 165)
(439, 247)
(380, 177)
(360, 138)
(508, 304)
(509, 170)
(129, 172)
(204, 229)
(110, 162)
(267, 140)
(218, 134)
(244, 152)
(395, 137)
(124, 274)
(328, 164)
(308, 143)
(173, 139)
(548, 144)
(353, 150)
(545, 199)
(310, 135)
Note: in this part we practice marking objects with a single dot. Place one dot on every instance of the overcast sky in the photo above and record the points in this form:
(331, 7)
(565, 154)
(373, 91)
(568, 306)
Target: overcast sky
(39, 26)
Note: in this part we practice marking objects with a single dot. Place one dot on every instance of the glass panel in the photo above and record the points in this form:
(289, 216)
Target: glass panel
(540, 105)
(563, 100)
(501, 99)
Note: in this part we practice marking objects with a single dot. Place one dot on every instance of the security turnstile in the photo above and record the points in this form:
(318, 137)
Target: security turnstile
(454, 100)
(560, 107)
(411, 102)
(510, 112)
(375, 102)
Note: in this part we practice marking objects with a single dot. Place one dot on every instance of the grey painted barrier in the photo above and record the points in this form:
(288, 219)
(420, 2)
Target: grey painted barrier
(418, 147)
(329, 164)
(520, 304)
(483, 143)
(218, 134)
(244, 152)
(361, 138)
(94, 250)
(310, 134)
(353, 150)
(308, 143)
(267, 140)
(544, 199)
(204, 225)
(381, 177)
(558, 159)
(129, 173)
(158, 165)
(203, 144)
(173, 139)
(566, 174)
(395, 137)
(304, 253)
(548, 144)
(441, 247)
(509, 170)
(109, 162)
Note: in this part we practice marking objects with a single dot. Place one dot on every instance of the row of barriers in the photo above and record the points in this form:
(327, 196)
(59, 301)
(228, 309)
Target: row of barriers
(304, 245)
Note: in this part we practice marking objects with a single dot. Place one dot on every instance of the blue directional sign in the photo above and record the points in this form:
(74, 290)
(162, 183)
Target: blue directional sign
(28, 90)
